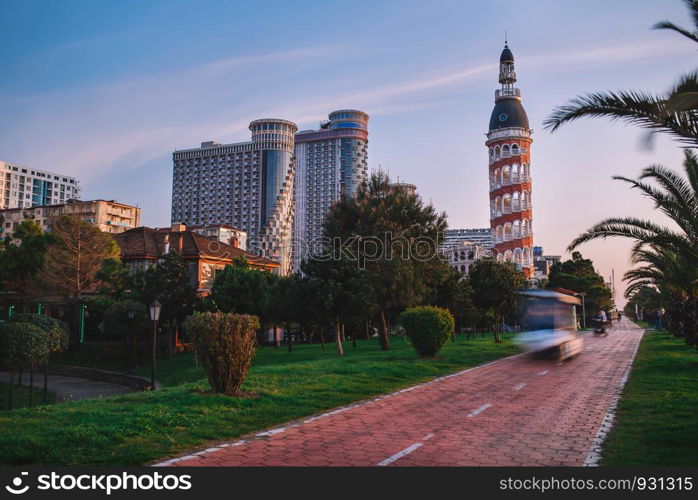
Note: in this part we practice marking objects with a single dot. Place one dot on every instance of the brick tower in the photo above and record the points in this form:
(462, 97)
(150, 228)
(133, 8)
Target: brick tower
(509, 142)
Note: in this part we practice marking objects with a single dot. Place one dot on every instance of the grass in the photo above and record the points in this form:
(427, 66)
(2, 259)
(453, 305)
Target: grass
(20, 396)
(142, 427)
(656, 416)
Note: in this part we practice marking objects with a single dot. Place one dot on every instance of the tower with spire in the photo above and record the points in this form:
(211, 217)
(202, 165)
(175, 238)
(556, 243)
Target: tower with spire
(509, 144)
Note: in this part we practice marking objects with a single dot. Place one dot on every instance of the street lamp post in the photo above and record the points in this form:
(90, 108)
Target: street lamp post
(584, 311)
(83, 307)
(154, 316)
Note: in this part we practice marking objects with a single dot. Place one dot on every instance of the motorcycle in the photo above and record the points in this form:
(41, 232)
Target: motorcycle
(600, 329)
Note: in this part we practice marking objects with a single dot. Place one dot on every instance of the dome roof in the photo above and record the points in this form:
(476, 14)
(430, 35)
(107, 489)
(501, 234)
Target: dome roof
(507, 55)
(508, 112)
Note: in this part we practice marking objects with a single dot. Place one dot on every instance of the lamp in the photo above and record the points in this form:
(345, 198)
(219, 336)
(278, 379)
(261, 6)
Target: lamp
(155, 310)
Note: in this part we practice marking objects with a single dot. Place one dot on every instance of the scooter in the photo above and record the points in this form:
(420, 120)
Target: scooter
(600, 330)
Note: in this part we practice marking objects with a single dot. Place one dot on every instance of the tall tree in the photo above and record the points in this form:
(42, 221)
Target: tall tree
(22, 262)
(342, 292)
(243, 290)
(72, 263)
(455, 293)
(393, 235)
(170, 283)
(495, 290)
(579, 275)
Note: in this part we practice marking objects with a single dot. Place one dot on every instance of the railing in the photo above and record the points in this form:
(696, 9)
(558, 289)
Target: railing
(507, 93)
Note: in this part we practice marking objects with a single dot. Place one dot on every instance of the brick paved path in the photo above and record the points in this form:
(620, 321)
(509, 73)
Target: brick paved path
(517, 411)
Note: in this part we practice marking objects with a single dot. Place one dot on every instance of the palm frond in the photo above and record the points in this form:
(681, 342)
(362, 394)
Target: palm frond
(668, 25)
(634, 107)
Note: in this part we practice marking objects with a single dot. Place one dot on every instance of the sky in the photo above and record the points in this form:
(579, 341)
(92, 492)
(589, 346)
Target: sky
(106, 90)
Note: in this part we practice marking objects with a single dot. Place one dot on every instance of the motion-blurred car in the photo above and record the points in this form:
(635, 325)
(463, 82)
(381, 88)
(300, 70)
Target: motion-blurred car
(550, 325)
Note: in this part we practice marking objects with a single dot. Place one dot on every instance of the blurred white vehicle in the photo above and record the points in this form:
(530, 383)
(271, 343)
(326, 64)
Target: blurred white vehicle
(550, 322)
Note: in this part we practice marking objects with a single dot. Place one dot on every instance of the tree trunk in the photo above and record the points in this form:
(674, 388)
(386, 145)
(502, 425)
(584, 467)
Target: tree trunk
(9, 395)
(353, 337)
(276, 338)
(289, 342)
(338, 338)
(498, 322)
(31, 385)
(385, 339)
(45, 396)
(322, 336)
(368, 335)
(344, 337)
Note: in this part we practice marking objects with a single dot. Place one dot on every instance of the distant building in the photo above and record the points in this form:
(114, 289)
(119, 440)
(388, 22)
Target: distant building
(463, 254)
(543, 263)
(143, 247)
(405, 187)
(247, 185)
(330, 162)
(108, 215)
(479, 236)
(22, 187)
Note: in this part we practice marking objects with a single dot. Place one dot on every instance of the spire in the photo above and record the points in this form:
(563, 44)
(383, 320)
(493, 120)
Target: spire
(507, 75)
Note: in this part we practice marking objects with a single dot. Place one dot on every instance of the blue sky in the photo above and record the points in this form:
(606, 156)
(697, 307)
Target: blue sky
(106, 91)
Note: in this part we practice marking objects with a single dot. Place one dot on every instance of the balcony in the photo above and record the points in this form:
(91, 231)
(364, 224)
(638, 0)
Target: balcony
(507, 93)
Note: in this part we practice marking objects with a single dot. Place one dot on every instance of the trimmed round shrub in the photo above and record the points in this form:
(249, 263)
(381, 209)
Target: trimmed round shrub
(56, 329)
(22, 343)
(225, 344)
(428, 328)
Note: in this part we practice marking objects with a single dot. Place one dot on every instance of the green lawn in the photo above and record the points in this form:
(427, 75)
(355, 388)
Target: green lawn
(142, 427)
(20, 395)
(656, 417)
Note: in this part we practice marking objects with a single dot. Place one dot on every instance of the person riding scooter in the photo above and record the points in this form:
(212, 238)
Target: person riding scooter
(600, 320)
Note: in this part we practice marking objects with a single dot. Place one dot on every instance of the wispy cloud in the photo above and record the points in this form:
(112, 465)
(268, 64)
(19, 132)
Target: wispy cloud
(122, 125)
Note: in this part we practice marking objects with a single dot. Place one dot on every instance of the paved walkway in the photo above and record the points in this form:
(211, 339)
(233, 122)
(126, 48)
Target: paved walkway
(68, 388)
(516, 411)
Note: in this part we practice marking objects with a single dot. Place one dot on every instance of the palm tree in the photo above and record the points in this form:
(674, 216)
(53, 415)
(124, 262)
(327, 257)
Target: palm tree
(675, 196)
(667, 281)
(675, 112)
(670, 256)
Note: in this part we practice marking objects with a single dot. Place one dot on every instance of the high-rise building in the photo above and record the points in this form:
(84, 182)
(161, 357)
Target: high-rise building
(248, 185)
(509, 142)
(330, 162)
(22, 187)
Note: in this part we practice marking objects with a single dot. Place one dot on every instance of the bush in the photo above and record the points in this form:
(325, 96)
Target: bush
(56, 329)
(225, 344)
(428, 328)
(23, 343)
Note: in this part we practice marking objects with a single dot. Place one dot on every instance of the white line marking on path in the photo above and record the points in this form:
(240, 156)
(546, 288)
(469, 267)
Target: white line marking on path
(400, 454)
(361, 403)
(544, 372)
(428, 436)
(520, 386)
(479, 410)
